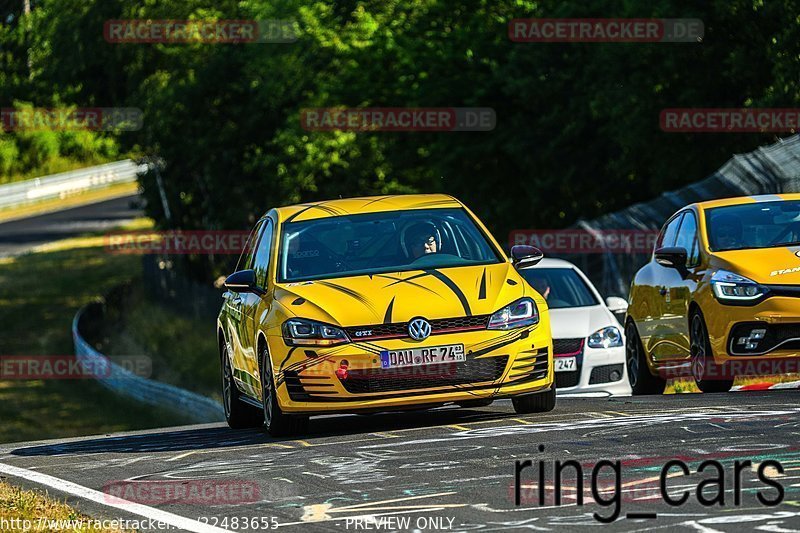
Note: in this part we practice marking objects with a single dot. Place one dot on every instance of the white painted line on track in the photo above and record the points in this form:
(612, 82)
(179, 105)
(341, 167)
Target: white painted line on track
(181, 522)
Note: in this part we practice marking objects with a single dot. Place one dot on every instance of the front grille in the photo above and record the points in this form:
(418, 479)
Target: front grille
(398, 330)
(567, 379)
(602, 374)
(777, 337)
(572, 348)
(480, 370)
(567, 346)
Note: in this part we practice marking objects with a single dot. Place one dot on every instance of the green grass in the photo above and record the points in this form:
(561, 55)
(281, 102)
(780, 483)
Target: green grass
(17, 504)
(183, 350)
(39, 295)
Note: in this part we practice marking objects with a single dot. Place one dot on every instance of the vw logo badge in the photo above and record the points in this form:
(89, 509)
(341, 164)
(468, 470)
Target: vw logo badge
(419, 329)
(797, 253)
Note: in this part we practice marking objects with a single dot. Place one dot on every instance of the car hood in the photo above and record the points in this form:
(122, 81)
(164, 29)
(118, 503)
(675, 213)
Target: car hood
(580, 322)
(771, 266)
(401, 296)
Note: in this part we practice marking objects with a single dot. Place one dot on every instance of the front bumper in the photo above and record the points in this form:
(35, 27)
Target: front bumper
(499, 364)
(778, 316)
(596, 370)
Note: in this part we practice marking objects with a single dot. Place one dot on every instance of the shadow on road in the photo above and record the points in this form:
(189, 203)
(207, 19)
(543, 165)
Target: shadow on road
(222, 437)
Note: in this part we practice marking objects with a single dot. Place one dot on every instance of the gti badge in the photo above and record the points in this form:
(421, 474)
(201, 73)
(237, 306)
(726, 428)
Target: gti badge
(419, 329)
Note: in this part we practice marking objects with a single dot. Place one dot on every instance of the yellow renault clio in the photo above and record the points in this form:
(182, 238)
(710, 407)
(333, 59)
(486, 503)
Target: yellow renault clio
(720, 297)
(374, 304)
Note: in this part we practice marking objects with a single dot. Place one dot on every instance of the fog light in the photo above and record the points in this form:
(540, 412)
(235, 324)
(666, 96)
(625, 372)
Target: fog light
(341, 372)
(757, 334)
(616, 375)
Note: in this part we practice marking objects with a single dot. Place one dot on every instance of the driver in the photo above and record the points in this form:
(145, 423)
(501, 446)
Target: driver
(422, 239)
(542, 286)
(729, 231)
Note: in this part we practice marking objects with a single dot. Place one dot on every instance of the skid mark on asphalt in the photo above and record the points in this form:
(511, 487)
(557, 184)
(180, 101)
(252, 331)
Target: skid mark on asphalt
(605, 424)
(323, 512)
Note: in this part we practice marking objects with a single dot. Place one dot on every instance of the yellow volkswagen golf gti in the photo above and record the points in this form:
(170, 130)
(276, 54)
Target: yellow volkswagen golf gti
(376, 304)
(720, 297)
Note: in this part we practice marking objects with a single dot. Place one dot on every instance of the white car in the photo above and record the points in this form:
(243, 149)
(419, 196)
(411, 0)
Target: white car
(588, 340)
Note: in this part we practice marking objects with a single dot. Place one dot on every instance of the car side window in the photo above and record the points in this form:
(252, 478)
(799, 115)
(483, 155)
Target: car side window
(263, 253)
(687, 239)
(669, 233)
(246, 259)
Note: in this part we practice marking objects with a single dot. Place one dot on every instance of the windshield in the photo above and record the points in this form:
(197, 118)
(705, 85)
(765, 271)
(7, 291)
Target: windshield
(561, 287)
(389, 241)
(756, 225)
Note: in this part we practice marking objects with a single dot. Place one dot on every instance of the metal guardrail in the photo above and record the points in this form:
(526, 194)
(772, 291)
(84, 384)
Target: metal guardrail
(196, 407)
(68, 183)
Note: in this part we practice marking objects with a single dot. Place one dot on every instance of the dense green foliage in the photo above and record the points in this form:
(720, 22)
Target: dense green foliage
(577, 124)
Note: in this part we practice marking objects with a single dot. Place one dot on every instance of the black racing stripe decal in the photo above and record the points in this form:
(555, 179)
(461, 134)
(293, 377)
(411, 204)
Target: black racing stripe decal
(408, 280)
(511, 282)
(299, 301)
(431, 203)
(523, 334)
(403, 280)
(453, 287)
(326, 209)
(375, 201)
(482, 290)
(288, 355)
(351, 293)
(387, 318)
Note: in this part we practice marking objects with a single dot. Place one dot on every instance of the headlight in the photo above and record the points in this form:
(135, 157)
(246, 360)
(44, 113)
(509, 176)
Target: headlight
(730, 287)
(521, 313)
(609, 337)
(303, 332)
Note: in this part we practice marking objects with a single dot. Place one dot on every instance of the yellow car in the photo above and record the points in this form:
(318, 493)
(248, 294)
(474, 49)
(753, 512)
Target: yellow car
(374, 304)
(720, 297)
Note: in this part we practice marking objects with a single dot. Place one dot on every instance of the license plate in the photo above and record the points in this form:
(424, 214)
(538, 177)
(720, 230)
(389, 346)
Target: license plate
(566, 364)
(451, 353)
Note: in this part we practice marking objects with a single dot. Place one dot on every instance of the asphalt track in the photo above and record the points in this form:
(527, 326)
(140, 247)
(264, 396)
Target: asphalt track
(453, 464)
(19, 236)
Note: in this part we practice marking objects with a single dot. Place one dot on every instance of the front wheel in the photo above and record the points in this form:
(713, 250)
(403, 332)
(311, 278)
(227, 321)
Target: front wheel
(641, 379)
(276, 422)
(708, 375)
(541, 402)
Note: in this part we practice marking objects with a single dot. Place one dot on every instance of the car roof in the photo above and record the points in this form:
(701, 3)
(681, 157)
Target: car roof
(367, 204)
(739, 200)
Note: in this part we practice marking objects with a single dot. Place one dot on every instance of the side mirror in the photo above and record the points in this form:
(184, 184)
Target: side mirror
(243, 281)
(672, 257)
(616, 304)
(524, 256)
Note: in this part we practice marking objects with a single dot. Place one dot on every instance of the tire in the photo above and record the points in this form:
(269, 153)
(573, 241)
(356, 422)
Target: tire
(469, 404)
(642, 381)
(238, 414)
(541, 402)
(276, 422)
(704, 368)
